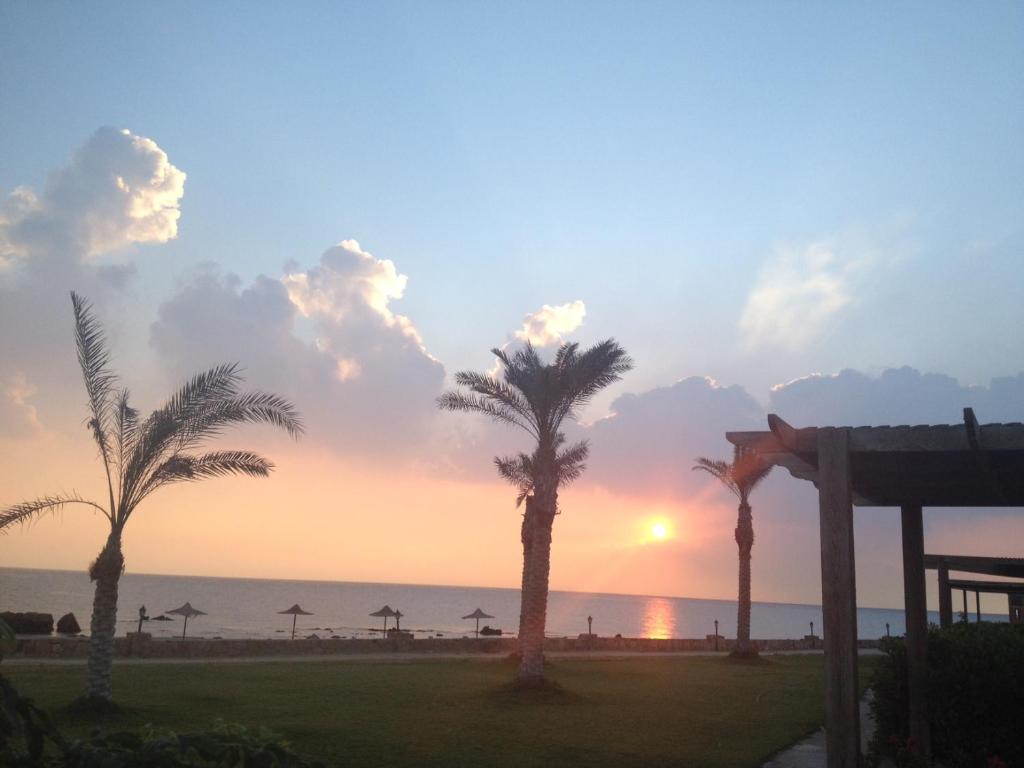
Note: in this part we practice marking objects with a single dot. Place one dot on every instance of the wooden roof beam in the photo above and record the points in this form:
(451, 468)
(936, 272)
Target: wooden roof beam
(989, 587)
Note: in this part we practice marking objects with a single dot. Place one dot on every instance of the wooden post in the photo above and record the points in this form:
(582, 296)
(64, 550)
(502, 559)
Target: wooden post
(839, 599)
(965, 606)
(977, 606)
(945, 598)
(915, 608)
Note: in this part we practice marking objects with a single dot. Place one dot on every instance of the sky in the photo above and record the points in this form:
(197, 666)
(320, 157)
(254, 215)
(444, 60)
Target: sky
(809, 209)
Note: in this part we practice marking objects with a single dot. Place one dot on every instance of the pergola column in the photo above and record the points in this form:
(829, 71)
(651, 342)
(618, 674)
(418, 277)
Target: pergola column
(916, 614)
(839, 599)
(945, 598)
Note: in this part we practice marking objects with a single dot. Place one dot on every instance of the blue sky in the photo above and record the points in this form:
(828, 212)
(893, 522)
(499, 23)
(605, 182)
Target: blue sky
(748, 191)
(644, 159)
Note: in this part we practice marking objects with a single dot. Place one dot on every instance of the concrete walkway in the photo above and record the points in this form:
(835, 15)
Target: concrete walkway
(810, 753)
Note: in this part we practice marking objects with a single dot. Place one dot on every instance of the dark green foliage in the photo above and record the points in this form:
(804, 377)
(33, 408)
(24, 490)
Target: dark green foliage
(223, 746)
(975, 697)
(28, 739)
(8, 640)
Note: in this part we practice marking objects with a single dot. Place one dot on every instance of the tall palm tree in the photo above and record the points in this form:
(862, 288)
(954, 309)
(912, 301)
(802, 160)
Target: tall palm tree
(741, 477)
(537, 397)
(141, 456)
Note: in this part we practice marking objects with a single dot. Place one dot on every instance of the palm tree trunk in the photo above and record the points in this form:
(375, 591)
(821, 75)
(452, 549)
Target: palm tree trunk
(536, 573)
(106, 572)
(527, 538)
(745, 542)
(535, 605)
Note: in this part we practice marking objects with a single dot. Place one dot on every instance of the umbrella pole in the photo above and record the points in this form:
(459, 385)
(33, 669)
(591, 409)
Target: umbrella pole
(478, 627)
(184, 628)
(294, 619)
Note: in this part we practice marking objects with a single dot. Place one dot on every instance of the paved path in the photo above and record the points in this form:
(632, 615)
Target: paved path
(810, 753)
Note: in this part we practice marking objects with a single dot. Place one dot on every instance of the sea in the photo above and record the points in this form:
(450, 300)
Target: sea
(249, 608)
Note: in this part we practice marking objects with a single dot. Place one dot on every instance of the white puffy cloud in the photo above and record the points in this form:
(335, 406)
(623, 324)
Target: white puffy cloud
(118, 189)
(551, 324)
(798, 293)
(364, 383)
(351, 286)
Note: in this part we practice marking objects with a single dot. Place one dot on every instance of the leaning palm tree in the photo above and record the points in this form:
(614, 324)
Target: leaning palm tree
(741, 477)
(538, 397)
(142, 456)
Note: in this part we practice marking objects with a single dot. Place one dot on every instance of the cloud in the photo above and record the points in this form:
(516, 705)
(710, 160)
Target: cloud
(896, 396)
(351, 286)
(799, 292)
(18, 415)
(550, 324)
(546, 327)
(648, 444)
(118, 189)
(360, 375)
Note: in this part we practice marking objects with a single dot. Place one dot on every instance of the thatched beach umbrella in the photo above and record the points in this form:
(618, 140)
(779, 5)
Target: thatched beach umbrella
(478, 614)
(295, 612)
(188, 612)
(385, 612)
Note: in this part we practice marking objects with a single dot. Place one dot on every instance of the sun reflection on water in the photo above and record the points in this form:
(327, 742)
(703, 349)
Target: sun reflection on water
(659, 618)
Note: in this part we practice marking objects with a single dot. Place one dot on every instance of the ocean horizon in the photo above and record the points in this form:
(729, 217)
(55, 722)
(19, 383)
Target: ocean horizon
(246, 607)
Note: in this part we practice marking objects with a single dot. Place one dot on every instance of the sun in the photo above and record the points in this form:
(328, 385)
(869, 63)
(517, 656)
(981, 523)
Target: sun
(659, 531)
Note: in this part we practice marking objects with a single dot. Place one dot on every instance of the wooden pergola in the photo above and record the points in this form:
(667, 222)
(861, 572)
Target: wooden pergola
(1008, 588)
(958, 465)
(1012, 567)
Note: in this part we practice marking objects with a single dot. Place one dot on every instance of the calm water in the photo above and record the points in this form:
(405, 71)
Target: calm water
(240, 608)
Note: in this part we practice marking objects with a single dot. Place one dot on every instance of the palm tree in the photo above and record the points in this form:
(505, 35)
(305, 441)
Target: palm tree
(141, 456)
(537, 397)
(741, 477)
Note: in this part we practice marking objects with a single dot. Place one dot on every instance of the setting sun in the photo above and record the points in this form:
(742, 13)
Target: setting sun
(657, 529)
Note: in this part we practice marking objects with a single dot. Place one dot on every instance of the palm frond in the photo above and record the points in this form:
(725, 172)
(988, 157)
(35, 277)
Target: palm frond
(127, 421)
(590, 372)
(100, 381)
(162, 428)
(565, 357)
(741, 476)
(749, 469)
(94, 360)
(493, 389)
(201, 410)
(474, 403)
(212, 464)
(720, 470)
(518, 471)
(248, 408)
(570, 462)
(537, 397)
(27, 510)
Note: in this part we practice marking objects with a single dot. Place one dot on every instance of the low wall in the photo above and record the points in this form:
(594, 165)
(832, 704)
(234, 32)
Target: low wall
(199, 648)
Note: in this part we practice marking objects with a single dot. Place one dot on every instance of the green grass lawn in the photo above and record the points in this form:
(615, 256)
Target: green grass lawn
(694, 711)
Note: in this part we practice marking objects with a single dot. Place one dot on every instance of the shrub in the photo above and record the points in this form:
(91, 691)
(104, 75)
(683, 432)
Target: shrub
(975, 697)
(28, 739)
